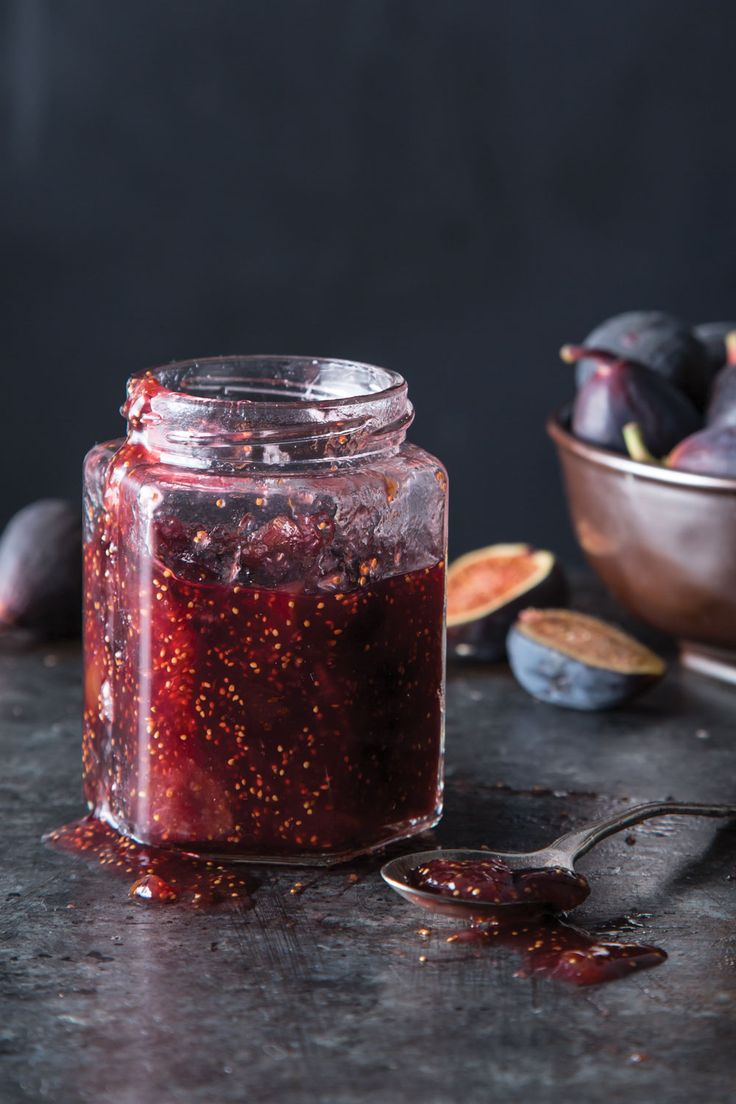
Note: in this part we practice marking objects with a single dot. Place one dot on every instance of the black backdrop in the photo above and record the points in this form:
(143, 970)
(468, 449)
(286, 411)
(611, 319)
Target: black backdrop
(448, 187)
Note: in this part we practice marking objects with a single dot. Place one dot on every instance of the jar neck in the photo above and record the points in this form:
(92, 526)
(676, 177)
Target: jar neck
(230, 413)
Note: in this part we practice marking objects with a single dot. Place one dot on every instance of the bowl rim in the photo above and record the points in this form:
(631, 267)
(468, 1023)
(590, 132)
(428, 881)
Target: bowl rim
(613, 461)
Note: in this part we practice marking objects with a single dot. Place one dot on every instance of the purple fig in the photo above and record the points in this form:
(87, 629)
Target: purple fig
(487, 588)
(710, 452)
(657, 341)
(621, 391)
(712, 336)
(722, 406)
(579, 662)
(41, 570)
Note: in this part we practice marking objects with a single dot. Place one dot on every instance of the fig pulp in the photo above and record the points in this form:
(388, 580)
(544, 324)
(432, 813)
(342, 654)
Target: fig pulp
(41, 569)
(621, 391)
(487, 588)
(576, 661)
(657, 341)
(722, 406)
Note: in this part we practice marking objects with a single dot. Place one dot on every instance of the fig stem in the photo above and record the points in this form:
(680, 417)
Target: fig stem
(731, 347)
(635, 446)
(604, 361)
(570, 353)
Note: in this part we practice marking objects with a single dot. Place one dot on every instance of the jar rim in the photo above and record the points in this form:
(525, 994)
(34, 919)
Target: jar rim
(267, 409)
(390, 382)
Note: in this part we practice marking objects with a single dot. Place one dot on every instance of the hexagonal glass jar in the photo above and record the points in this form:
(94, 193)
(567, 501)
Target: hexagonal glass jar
(264, 612)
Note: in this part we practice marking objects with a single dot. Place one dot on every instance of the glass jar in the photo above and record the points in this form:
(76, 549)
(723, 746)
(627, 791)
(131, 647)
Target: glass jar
(264, 612)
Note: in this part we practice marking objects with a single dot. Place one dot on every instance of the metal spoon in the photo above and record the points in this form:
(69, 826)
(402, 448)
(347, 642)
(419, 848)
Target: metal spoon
(560, 854)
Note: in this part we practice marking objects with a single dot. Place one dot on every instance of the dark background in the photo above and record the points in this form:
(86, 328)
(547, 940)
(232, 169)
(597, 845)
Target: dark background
(447, 187)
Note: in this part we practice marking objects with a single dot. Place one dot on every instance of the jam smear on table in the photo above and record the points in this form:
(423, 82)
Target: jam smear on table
(549, 947)
(153, 888)
(156, 876)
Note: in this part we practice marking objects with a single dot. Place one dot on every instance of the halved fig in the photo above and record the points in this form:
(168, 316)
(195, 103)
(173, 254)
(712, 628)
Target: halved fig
(487, 588)
(577, 661)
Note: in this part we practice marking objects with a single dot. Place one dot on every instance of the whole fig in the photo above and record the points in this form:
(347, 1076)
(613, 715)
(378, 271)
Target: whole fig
(710, 452)
(657, 341)
(712, 336)
(722, 406)
(619, 392)
(41, 569)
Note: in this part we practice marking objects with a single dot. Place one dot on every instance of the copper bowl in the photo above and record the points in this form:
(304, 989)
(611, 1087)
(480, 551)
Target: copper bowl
(663, 542)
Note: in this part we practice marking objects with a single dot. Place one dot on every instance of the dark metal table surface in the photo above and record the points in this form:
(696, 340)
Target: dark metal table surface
(323, 996)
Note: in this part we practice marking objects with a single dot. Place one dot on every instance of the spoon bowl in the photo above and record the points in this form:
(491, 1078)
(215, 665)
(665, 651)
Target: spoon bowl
(398, 873)
(560, 855)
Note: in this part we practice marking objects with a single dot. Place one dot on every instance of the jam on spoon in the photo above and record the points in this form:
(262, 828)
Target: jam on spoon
(492, 880)
(548, 946)
(510, 898)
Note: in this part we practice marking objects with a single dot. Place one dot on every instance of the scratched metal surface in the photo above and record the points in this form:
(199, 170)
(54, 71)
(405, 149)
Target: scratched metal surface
(322, 997)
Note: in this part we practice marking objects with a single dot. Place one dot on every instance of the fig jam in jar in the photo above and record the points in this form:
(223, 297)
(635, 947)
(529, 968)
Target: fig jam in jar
(264, 613)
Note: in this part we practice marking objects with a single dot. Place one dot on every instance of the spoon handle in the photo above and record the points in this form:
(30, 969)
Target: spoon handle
(578, 843)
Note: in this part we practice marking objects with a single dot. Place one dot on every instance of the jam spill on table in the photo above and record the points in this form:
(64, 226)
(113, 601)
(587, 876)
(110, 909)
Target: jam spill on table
(549, 947)
(156, 876)
(524, 923)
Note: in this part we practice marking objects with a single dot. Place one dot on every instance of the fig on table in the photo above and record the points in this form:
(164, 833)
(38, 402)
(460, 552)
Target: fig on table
(487, 588)
(41, 570)
(576, 661)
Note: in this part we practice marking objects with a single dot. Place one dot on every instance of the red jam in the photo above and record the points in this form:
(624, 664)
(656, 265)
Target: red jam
(492, 880)
(548, 946)
(153, 888)
(155, 876)
(275, 722)
(264, 642)
(551, 948)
